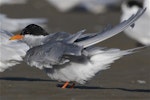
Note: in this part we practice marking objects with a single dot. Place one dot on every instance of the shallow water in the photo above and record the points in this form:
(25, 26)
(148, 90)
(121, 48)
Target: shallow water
(127, 79)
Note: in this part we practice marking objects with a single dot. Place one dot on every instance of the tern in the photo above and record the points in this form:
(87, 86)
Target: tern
(93, 6)
(15, 24)
(11, 52)
(141, 31)
(72, 57)
(8, 2)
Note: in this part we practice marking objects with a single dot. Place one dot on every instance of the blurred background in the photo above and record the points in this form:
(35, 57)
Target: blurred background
(127, 78)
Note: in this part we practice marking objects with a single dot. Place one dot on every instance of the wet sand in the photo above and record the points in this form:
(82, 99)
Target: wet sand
(127, 78)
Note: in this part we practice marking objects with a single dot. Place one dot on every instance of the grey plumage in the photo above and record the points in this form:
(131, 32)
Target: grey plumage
(60, 44)
(73, 57)
(55, 48)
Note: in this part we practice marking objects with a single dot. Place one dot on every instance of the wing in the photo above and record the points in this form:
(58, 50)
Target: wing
(59, 36)
(4, 36)
(11, 52)
(72, 38)
(51, 53)
(111, 32)
(63, 36)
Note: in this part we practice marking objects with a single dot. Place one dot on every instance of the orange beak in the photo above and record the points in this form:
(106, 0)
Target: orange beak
(16, 37)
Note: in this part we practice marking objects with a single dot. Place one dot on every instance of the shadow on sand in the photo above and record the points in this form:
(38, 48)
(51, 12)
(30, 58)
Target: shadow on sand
(25, 79)
(107, 88)
(76, 87)
(122, 89)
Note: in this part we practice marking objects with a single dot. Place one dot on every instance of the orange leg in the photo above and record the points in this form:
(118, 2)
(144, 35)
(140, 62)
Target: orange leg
(65, 85)
(72, 86)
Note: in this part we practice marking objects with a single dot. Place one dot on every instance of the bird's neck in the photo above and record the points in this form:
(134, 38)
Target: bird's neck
(33, 41)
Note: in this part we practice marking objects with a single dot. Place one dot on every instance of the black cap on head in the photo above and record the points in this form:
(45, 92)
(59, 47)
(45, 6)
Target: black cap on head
(132, 3)
(33, 29)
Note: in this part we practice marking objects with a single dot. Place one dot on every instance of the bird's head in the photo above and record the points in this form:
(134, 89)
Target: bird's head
(31, 29)
(131, 3)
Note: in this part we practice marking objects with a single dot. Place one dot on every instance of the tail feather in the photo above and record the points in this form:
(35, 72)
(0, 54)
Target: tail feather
(104, 58)
(134, 50)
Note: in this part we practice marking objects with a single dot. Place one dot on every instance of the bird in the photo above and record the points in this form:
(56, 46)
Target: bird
(141, 30)
(11, 52)
(72, 58)
(93, 6)
(6, 2)
(65, 6)
(16, 24)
